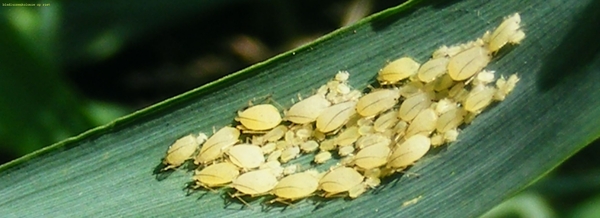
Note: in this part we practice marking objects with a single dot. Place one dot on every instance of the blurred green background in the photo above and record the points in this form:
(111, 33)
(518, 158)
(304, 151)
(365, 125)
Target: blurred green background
(69, 66)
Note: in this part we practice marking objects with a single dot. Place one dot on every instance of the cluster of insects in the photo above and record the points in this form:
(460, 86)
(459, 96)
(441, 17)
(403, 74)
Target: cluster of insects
(372, 135)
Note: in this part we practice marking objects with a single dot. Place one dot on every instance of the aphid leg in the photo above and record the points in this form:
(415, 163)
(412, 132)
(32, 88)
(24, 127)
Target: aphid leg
(236, 195)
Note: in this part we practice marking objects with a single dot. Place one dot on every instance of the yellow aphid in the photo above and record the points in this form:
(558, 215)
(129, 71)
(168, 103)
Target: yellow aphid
(505, 86)
(437, 140)
(246, 156)
(411, 150)
(291, 169)
(305, 132)
(424, 123)
(484, 77)
(342, 76)
(386, 121)
(467, 63)
(296, 186)
(327, 145)
(372, 140)
(275, 134)
(479, 98)
(397, 70)
(444, 105)
(322, 157)
(443, 83)
(309, 146)
(411, 88)
(400, 127)
(274, 167)
(413, 105)
(340, 180)
(180, 151)
(347, 136)
(509, 31)
(289, 154)
(255, 183)
(274, 156)
(268, 148)
(445, 51)
(345, 150)
(216, 175)
(433, 69)
(307, 110)
(450, 135)
(217, 144)
(366, 130)
(372, 156)
(335, 116)
(377, 102)
(259, 117)
(450, 120)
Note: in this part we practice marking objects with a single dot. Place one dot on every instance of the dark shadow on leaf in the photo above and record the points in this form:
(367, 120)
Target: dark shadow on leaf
(161, 174)
(577, 49)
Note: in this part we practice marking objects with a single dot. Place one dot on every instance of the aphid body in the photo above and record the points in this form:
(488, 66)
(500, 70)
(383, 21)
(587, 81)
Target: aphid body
(246, 156)
(377, 102)
(255, 183)
(509, 31)
(411, 150)
(433, 69)
(216, 175)
(307, 110)
(372, 156)
(335, 116)
(217, 144)
(397, 70)
(180, 151)
(296, 186)
(259, 117)
(340, 180)
(467, 63)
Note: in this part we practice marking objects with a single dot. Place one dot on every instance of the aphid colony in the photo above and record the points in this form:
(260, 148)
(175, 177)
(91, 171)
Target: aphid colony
(418, 106)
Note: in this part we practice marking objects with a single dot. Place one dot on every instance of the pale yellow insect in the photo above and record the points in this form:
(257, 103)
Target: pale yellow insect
(484, 77)
(327, 145)
(309, 146)
(268, 148)
(340, 180)
(296, 186)
(291, 169)
(433, 69)
(259, 117)
(289, 154)
(180, 151)
(442, 83)
(345, 150)
(372, 156)
(307, 110)
(216, 175)
(347, 136)
(274, 156)
(217, 144)
(342, 76)
(479, 98)
(445, 51)
(254, 183)
(509, 31)
(386, 121)
(413, 105)
(274, 167)
(411, 88)
(411, 150)
(424, 123)
(397, 70)
(467, 63)
(246, 156)
(335, 116)
(275, 134)
(322, 157)
(372, 140)
(377, 102)
(450, 120)
(505, 86)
